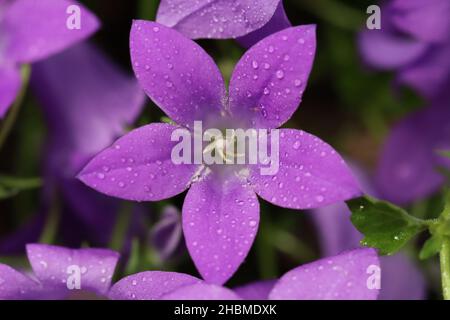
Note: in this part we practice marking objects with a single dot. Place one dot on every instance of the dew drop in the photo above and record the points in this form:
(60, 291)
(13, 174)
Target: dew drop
(280, 74)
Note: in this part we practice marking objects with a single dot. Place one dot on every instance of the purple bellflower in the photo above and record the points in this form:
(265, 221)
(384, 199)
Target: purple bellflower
(401, 278)
(414, 40)
(343, 277)
(87, 102)
(410, 160)
(33, 30)
(59, 273)
(247, 21)
(221, 210)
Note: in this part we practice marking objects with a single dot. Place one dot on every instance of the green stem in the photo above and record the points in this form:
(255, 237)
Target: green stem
(14, 110)
(445, 248)
(48, 235)
(147, 9)
(121, 228)
(445, 268)
(265, 251)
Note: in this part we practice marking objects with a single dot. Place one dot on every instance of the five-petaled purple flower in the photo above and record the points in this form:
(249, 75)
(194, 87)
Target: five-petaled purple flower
(247, 21)
(30, 31)
(221, 210)
(414, 40)
(60, 273)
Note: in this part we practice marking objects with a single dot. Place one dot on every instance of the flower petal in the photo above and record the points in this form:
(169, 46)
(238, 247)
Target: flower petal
(343, 277)
(16, 286)
(256, 290)
(268, 82)
(426, 20)
(407, 170)
(201, 291)
(176, 73)
(36, 29)
(311, 174)
(87, 100)
(220, 221)
(167, 233)
(138, 164)
(335, 230)
(278, 22)
(430, 76)
(218, 19)
(10, 82)
(385, 50)
(52, 266)
(149, 285)
(401, 279)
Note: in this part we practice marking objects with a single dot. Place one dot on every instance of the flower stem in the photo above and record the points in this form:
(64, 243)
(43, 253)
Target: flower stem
(445, 248)
(120, 230)
(14, 111)
(48, 234)
(445, 268)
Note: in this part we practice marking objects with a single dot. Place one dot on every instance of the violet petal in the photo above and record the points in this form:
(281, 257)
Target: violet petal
(149, 285)
(138, 164)
(343, 277)
(36, 29)
(218, 19)
(268, 82)
(176, 73)
(220, 221)
(201, 291)
(311, 174)
(51, 266)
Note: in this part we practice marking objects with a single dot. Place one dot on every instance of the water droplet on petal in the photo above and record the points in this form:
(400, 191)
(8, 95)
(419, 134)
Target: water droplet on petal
(280, 74)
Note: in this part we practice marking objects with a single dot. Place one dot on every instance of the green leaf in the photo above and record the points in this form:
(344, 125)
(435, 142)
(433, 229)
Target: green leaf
(384, 226)
(10, 186)
(431, 247)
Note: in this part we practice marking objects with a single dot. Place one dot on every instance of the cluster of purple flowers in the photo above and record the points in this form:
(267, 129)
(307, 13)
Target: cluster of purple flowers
(220, 214)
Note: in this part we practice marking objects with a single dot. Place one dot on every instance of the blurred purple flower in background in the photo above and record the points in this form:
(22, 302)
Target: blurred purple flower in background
(221, 210)
(248, 21)
(87, 103)
(335, 278)
(52, 269)
(85, 112)
(401, 279)
(167, 235)
(410, 162)
(24, 38)
(415, 41)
